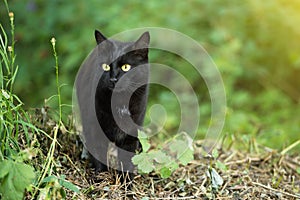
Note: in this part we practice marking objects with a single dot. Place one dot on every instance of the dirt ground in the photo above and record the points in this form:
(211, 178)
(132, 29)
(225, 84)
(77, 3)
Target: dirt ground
(267, 175)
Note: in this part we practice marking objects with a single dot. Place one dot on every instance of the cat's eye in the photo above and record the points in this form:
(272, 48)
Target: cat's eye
(105, 67)
(126, 67)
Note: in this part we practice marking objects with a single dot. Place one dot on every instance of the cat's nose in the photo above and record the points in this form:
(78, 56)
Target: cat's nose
(113, 80)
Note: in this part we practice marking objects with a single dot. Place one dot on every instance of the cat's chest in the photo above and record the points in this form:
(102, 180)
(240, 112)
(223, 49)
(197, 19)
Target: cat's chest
(115, 111)
(122, 111)
(118, 107)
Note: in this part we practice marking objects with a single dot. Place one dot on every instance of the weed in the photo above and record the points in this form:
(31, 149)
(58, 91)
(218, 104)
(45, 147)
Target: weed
(15, 127)
(177, 150)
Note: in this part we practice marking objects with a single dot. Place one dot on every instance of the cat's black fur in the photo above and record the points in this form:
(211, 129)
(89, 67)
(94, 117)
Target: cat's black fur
(113, 110)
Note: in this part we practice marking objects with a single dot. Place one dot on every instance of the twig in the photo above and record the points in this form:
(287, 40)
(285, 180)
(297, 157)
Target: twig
(248, 160)
(274, 190)
(284, 151)
(76, 168)
(230, 157)
(224, 186)
(179, 198)
(152, 186)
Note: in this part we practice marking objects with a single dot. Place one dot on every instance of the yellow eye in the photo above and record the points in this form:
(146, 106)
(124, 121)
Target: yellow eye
(105, 67)
(126, 67)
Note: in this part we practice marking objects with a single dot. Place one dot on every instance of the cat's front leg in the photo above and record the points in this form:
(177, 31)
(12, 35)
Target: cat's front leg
(99, 166)
(126, 150)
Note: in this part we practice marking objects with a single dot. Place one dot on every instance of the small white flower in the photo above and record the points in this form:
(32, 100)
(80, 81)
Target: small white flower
(11, 15)
(5, 94)
(53, 41)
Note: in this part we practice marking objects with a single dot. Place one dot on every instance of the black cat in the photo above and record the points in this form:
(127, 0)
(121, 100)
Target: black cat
(119, 72)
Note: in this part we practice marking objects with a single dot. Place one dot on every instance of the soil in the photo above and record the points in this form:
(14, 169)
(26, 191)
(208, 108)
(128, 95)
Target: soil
(263, 174)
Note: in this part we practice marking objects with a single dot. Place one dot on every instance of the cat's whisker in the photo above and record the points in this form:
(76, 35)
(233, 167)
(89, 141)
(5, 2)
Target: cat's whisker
(135, 88)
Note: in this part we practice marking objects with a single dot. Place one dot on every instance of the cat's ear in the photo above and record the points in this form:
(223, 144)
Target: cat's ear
(99, 37)
(143, 41)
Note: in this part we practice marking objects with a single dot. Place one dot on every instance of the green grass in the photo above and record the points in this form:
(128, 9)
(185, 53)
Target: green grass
(14, 122)
(16, 130)
(18, 133)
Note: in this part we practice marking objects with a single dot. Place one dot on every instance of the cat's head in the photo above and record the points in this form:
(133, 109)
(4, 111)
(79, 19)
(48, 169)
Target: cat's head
(124, 65)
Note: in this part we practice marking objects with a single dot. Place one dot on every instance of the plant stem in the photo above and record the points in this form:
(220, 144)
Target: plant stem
(49, 161)
(53, 41)
(11, 70)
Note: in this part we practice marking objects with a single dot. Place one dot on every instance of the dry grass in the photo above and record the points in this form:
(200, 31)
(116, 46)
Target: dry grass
(265, 175)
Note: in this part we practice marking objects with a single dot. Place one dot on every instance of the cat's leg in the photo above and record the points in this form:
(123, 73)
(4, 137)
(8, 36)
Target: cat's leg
(98, 159)
(126, 150)
(94, 163)
(97, 165)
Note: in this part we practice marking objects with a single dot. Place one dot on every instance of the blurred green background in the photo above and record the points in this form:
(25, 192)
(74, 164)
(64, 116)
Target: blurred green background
(255, 44)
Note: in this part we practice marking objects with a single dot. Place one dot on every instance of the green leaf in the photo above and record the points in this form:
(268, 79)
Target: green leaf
(165, 172)
(4, 169)
(215, 153)
(178, 146)
(62, 193)
(144, 141)
(160, 156)
(173, 165)
(186, 157)
(221, 165)
(17, 176)
(49, 179)
(69, 185)
(144, 162)
(184, 153)
(137, 159)
(62, 182)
